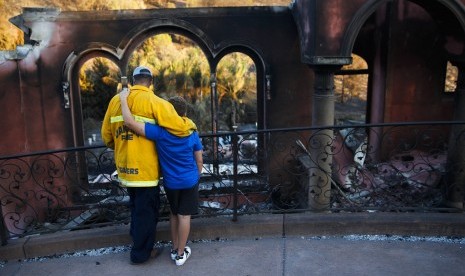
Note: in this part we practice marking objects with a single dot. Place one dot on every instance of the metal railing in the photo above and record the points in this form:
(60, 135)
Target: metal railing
(384, 167)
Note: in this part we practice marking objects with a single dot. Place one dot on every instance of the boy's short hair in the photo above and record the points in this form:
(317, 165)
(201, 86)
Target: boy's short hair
(180, 105)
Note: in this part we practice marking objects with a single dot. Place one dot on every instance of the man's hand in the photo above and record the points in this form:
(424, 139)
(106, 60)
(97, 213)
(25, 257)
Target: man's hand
(123, 95)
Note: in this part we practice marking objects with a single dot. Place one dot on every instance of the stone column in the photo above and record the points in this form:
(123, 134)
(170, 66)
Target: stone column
(319, 191)
(455, 173)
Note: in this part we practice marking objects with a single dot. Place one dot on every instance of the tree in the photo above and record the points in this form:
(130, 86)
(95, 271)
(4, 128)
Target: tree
(98, 81)
(236, 75)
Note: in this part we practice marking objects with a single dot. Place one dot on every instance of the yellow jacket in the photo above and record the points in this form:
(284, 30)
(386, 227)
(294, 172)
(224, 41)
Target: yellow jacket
(136, 157)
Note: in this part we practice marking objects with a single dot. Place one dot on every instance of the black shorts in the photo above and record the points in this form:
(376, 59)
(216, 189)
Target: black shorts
(183, 202)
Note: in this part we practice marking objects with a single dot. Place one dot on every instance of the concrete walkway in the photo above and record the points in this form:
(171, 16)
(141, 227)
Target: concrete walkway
(239, 249)
(268, 256)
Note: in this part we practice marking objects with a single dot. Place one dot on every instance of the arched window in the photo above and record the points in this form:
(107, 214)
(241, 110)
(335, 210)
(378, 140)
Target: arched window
(237, 93)
(98, 79)
(236, 102)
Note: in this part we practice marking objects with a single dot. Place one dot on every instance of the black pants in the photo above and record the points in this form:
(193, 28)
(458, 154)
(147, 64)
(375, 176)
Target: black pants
(144, 204)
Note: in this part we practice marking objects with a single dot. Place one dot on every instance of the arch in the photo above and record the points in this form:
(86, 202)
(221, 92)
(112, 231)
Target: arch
(262, 72)
(70, 84)
(228, 47)
(86, 52)
(455, 7)
(137, 35)
(228, 114)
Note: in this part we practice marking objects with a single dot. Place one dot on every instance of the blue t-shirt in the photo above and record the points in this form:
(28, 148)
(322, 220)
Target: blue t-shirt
(176, 156)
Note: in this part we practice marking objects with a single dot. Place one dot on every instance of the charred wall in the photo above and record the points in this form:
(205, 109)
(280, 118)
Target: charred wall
(267, 34)
(405, 43)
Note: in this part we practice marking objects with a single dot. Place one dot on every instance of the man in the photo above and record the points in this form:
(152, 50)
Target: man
(181, 162)
(136, 157)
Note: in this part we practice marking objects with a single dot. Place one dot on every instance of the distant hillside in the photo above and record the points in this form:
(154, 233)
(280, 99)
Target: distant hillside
(10, 36)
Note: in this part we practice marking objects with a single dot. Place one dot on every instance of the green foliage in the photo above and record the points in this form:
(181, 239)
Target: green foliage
(98, 81)
(352, 86)
(179, 68)
(451, 78)
(236, 91)
(10, 36)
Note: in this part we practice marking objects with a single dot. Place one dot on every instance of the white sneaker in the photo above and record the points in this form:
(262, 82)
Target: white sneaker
(180, 260)
(174, 253)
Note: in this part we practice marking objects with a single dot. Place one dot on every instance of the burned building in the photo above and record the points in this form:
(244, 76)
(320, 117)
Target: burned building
(297, 51)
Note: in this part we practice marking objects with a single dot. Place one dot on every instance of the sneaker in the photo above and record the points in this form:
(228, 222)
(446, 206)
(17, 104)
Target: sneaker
(180, 260)
(174, 253)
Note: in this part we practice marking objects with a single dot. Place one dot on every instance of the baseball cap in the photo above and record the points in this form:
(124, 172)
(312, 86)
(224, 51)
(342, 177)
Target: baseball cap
(142, 70)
